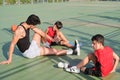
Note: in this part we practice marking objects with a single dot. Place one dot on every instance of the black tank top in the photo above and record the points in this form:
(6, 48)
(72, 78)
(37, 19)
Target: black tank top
(24, 43)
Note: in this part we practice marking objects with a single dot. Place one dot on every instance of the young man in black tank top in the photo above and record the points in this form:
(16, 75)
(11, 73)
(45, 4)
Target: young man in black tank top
(32, 49)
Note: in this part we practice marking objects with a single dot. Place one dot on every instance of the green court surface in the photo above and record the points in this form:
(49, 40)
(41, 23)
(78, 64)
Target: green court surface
(81, 21)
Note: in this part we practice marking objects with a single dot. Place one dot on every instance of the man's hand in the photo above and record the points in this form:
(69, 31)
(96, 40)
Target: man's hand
(5, 62)
(112, 71)
(57, 39)
(32, 27)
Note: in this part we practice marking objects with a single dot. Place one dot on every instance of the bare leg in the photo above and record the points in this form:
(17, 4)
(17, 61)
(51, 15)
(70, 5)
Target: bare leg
(64, 41)
(51, 51)
(89, 57)
(37, 38)
(80, 66)
(47, 51)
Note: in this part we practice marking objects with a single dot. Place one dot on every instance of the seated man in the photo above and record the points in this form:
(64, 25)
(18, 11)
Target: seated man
(21, 38)
(59, 39)
(103, 57)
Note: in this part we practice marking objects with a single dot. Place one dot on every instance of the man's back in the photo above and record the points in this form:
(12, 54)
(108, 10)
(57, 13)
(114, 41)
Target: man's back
(105, 58)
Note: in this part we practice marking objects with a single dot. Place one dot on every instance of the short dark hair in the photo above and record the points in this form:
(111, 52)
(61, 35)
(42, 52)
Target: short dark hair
(33, 20)
(98, 38)
(58, 24)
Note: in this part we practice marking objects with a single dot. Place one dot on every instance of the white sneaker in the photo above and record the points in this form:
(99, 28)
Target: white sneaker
(73, 69)
(77, 47)
(63, 65)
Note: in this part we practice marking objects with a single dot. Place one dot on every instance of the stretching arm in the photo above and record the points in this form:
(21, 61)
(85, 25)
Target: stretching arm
(116, 60)
(41, 33)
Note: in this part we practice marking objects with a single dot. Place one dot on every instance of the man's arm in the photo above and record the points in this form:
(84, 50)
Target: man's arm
(41, 33)
(116, 60)
(14, 40)
(62, 36)
(47, 36)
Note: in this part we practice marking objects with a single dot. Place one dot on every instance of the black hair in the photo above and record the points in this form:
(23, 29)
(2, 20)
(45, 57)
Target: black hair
(98, 38)
(58, 24)
(33, 20)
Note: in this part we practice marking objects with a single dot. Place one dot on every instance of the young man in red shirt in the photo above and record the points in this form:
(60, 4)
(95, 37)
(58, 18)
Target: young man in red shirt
(58, 37)
(103, 57)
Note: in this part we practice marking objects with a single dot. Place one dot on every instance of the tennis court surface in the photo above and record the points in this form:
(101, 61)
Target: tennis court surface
(81, 21)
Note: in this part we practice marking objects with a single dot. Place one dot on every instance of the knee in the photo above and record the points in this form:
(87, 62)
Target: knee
(90, 55)
(36, 36)
(57, 54)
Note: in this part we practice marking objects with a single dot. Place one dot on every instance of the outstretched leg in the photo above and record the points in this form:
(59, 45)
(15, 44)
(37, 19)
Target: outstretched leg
(52, 51)
(49, 51)
(86, 60)
(80, 66)
(64, 41)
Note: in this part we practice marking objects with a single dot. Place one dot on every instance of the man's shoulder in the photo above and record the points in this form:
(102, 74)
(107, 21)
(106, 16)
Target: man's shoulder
(50, 27)
(20, 28)
(19, 31)
(107, 47)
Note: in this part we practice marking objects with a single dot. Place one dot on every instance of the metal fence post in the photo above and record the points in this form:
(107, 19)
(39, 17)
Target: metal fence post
(18, 2)
(31, 1)
(3, 2)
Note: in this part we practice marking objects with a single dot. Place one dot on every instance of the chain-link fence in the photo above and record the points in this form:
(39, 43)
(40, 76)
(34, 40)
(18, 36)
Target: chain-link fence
(8, 2)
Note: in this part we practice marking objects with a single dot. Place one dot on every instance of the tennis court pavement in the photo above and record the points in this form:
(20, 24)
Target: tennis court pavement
(81, 21)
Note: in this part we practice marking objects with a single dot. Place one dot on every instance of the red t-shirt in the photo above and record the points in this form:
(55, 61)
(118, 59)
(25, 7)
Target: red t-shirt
(51, 33)
(105, 58)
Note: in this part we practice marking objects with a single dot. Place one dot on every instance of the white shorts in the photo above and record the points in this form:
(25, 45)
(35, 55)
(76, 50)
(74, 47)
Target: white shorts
(33, 51)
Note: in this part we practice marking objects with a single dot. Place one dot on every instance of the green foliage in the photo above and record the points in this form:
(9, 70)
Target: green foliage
(25, 1)
(10, 1)
(49, 1)
(1, 2)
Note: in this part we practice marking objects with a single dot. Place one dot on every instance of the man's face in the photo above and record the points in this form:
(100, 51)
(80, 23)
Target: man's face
(55, 28)
(96, 45)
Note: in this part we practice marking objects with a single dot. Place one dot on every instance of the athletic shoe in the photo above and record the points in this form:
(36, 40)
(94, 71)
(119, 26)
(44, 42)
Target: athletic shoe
(73, 69)
(76, 49)
(63, 65)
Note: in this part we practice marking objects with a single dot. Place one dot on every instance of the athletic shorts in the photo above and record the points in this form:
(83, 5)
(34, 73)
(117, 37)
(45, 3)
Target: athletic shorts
(33, 51)
(55, 43)
(94, 71)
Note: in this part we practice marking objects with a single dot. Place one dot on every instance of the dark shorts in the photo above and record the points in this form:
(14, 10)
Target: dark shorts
(94, 71)
(55, 43)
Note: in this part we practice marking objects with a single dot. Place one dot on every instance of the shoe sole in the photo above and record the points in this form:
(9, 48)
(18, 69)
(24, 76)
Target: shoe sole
(70, 71)
(78, 48)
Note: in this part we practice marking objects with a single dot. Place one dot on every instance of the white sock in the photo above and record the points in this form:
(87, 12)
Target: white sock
(69, 51)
